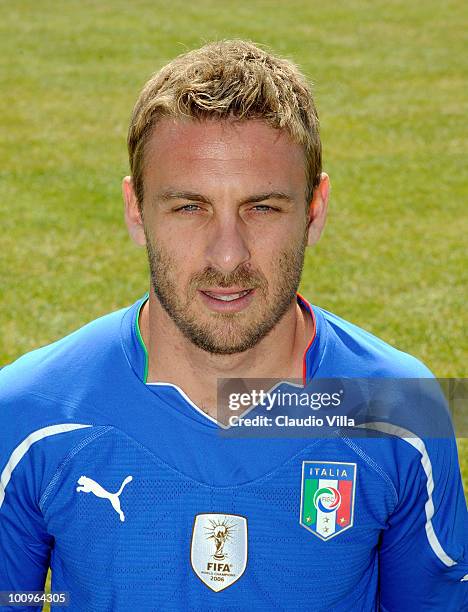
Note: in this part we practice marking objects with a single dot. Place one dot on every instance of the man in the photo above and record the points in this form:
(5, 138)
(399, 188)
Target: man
(112, 466)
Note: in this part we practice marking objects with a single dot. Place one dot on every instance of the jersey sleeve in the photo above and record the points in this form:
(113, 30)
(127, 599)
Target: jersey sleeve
(423, 550)
(25, 545)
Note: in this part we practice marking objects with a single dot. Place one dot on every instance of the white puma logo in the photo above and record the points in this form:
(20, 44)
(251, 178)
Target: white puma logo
(88, 485)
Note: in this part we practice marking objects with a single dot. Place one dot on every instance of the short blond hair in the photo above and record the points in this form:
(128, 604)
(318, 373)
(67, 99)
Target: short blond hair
(228, 79)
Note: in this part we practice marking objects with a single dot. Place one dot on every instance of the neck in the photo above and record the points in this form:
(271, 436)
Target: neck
(174, 359)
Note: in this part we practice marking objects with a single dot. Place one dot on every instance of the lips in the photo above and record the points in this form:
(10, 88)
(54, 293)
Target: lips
(227, 301)
(227, 297)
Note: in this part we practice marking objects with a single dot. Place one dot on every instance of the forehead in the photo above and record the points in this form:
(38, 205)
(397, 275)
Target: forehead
(223, 150)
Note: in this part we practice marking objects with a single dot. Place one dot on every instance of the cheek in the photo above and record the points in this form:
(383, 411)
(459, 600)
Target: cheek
(268, 248)
(180, 261)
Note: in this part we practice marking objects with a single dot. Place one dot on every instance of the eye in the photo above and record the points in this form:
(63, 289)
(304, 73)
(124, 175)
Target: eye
(188, 208)
(263, 208)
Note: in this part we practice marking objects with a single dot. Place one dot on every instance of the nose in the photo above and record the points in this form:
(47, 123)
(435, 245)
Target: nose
(227, 247)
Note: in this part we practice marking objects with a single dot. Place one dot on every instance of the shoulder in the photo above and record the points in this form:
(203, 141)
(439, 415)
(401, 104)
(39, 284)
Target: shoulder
(56, 384)
(358, 353)
(51, 391)
(40, 369)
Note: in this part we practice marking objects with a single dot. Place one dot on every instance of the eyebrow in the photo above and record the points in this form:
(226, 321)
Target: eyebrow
(198, 197)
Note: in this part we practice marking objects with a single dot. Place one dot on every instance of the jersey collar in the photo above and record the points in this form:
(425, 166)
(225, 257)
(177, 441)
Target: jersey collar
(137, 354)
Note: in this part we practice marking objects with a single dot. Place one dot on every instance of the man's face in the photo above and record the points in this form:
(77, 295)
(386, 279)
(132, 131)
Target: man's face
(225, 222)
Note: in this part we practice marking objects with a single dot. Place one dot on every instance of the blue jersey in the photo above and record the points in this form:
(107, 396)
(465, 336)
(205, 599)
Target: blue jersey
(129, 493)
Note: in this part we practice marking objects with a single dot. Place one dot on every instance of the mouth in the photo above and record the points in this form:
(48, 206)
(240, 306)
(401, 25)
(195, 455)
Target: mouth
(227, 297)
(227, 300)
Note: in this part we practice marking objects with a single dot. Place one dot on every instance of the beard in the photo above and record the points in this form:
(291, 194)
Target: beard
(227, 333)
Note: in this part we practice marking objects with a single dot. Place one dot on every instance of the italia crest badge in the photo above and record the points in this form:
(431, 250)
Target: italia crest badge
(327, 497)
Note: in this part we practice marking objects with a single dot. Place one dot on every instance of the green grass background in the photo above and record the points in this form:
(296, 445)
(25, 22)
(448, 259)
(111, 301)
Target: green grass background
(389, 78)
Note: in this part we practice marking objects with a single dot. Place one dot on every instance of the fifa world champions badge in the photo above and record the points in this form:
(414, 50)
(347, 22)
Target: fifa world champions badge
(219, 549)
(328, 491)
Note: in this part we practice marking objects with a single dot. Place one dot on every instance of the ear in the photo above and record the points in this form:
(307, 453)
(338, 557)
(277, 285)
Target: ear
(133, 217)
(318, 210)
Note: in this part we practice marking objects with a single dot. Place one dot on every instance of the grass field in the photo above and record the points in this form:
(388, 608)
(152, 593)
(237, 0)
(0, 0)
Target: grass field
(389, 79)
